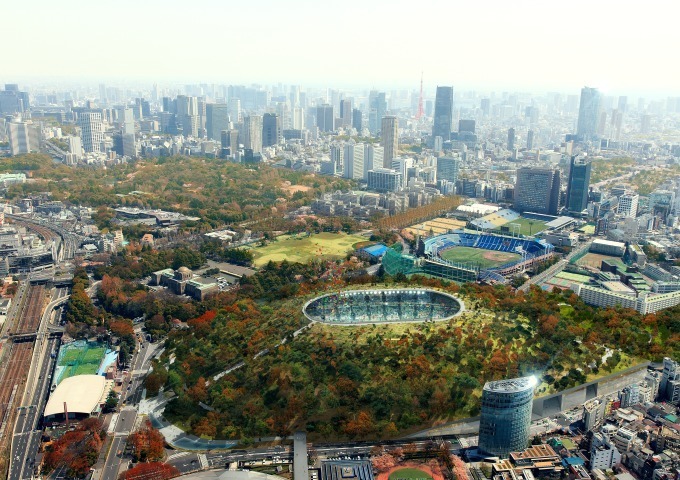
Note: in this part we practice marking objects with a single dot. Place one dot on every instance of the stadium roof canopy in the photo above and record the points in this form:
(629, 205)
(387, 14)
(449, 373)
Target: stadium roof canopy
(82, 394)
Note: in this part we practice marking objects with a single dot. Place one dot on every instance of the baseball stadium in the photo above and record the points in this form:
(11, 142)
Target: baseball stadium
(463, 257)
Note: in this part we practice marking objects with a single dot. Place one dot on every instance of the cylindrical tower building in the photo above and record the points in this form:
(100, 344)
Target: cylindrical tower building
(506, 416)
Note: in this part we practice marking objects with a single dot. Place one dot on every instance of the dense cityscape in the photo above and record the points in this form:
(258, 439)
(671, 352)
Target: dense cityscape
(423, 278)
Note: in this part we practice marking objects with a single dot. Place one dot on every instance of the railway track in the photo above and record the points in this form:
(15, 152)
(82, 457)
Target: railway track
(12, 383)
(29, 319)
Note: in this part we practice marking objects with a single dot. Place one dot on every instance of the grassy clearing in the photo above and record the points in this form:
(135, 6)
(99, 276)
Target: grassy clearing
(302, 249)
(409, 474)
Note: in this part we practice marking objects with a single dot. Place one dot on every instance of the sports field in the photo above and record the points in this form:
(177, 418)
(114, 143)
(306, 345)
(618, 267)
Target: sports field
(409, 474)
(527, 227)
(301, 248)
(79, 358)
(485, 258)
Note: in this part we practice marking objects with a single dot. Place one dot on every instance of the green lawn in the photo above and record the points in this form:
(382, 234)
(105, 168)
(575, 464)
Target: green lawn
(527, 226)
(329, 246)
(409, 474)
(485, 258)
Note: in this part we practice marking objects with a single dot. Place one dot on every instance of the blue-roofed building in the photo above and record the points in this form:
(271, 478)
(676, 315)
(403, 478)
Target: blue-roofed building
(374, 252)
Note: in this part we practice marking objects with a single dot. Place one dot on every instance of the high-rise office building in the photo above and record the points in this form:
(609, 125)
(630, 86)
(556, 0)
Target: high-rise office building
(252, 133)
(346, 112)
(466, 126)
(12, 100)
(373, 158)
(235, 110)
(336, 152)
(443, 113)
(75, 147)
(324, 118)
(91, 130)
(129, 145)
(216, 119)
(23, 138)
(384, 180)
(356, 119)
(628, 204)
(271, 129)
(588, 114)
(102, 94)
(447, 168)
(669, 386)
(354, 158)
(577, 186)
(377, 107)
(298, 118)
(190, 125)
(505, 417)
(511, 139)
(485, 106)
(537, 190)
(530, 140)
(390, 139)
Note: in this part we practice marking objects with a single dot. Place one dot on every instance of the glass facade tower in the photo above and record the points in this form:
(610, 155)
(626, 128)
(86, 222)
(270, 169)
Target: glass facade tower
(506, 416)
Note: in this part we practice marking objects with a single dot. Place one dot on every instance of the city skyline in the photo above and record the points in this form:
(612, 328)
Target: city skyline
(525, 37)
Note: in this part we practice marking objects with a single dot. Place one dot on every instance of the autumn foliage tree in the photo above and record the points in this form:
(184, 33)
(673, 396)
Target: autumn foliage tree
(151, 471)
(77, 450)
(147, 444)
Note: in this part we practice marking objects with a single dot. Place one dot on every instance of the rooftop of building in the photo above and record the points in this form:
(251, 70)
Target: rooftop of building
(511, 385)
(81, 393)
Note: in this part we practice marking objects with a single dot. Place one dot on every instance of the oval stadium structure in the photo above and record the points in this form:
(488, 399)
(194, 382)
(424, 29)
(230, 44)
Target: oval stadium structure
(356, 307)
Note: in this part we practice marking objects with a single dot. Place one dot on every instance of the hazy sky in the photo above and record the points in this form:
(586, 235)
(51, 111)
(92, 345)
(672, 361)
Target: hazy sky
(622, 47)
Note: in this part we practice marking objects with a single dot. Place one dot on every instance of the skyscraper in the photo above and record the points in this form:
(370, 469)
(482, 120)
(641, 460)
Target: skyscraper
(235, 110)
(324, 118)
(356, 119)
(23, 138)
(505, 416)
(377, 105)
(126, 120)
(466, 126)
(373, 158)
(346, 112)
(511, 139)
(298, 118)
(447, 168)
(537, 190)
(588, 114)
(443, 113)
(669, 387)
(390, 139)
(91, 130)
(217, 120)
(252, 133)
(628, 204)
(271, 129)
(530, 140)
(577, 186)
(354, 158)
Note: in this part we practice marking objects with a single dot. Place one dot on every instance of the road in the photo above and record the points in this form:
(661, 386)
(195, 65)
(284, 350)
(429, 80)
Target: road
(124, 423)
(131, 395)
(284, 454)
(26, 440)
